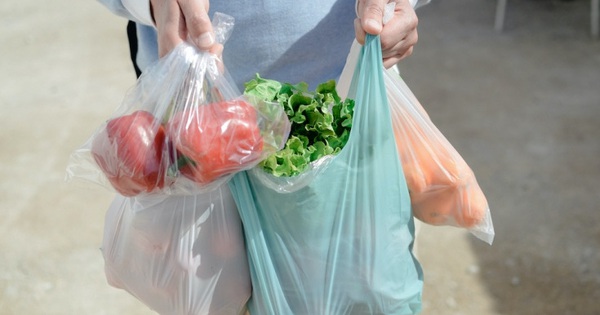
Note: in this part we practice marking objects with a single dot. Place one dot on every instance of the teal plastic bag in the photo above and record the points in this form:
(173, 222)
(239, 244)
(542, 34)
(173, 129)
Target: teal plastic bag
(341, 244)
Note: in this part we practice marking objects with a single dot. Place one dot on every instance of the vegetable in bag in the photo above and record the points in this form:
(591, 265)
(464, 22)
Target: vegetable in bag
(320, 123)
(178, 255)
(129, 151)
(443, 188)
(215, 139)
(341, 241)
(182, 129)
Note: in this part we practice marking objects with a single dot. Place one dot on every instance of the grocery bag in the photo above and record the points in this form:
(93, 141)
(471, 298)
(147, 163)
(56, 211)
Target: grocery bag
(179, 255)
(183, 128)
(443, 188)
(342, 242)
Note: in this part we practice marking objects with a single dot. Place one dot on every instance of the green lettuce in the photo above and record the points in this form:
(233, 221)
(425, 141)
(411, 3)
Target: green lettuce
(320, 122)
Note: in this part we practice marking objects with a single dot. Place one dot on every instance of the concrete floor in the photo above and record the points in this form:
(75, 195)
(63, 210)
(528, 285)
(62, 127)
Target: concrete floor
(522, 107)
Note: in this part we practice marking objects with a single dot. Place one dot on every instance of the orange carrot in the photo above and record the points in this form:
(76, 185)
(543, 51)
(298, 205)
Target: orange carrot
(443, 188)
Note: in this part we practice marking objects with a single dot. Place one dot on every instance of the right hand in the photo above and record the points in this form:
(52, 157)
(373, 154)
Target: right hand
(183, 20)
(398, 36)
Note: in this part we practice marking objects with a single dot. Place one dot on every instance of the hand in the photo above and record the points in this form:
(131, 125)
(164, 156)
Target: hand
(183, 20)
(398, 35)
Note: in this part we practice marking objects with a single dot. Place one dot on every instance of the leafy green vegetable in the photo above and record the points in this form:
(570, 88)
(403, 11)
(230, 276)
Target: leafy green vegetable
(321, 122)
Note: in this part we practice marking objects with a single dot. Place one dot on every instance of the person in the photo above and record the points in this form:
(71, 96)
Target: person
(285, 40)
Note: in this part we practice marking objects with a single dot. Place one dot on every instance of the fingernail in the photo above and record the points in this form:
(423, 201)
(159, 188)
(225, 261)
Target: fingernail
(205, 40)
(373, 25)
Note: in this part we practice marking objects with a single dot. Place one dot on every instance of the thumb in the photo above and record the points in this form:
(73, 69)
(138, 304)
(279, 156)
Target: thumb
(371, 13)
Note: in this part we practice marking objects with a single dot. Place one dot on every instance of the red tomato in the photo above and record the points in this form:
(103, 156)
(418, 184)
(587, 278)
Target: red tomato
(129, 151)
(219, 138)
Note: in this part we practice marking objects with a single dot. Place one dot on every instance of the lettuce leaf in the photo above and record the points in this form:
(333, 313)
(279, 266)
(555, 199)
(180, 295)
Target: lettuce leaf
(321, 122)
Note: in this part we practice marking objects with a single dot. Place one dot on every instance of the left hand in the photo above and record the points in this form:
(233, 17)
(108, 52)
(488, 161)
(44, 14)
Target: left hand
(181, 20)
(398, 35)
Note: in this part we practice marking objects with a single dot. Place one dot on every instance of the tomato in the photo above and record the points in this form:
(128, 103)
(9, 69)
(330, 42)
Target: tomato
(129, 151)
(218, 138)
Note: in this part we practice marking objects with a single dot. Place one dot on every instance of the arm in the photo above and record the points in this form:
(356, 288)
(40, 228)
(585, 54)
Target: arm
(398, 35)
(134, 10)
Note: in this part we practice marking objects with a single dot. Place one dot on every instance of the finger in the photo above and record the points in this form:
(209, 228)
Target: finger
(359, 31)
(402, 27)
(370, 13)
(217, 50)
(197, 23)
(391, 61)
(168, 25)
(392, 48)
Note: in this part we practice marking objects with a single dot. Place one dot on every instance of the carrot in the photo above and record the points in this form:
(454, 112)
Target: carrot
(474, 206)
(463, 205)
(442, 187)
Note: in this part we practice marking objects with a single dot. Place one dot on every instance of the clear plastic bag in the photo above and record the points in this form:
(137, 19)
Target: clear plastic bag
(179, 255)
(183, 128)
(342, 243)
(443, 188)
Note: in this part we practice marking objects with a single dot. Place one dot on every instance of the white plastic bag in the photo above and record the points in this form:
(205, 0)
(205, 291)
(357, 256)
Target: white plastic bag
(443, 188)
(179, 255)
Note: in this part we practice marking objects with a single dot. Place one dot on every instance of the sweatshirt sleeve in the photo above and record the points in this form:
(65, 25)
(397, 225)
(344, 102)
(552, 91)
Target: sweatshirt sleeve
(135, 10)
(414, 3)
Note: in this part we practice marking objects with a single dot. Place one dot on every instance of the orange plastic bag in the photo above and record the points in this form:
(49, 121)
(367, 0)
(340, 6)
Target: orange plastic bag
(443, 188)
